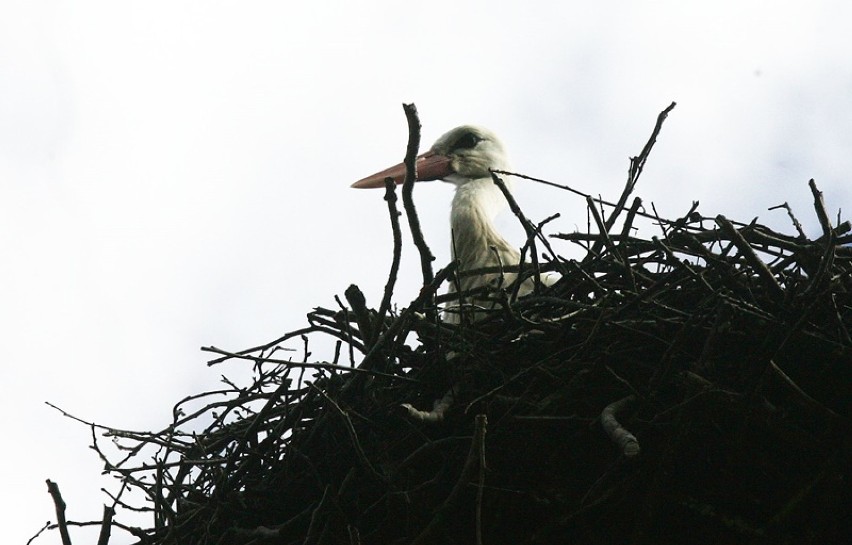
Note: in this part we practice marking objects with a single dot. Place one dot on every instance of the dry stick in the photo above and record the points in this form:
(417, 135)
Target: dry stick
(819, 206)
(426, 294)
(839, 246)
(748, 253)
(829, 468)
(354, 535)
(825, 264)
(637, 164)
(804, 398)
(459, 294)
(474, 457)
(299, 332)
(625, 233)
(326, 366)
(677, 263)
(59, 503)
(356, 300)
(426, 256)
(158, 499)
(793, 218)
(481, 421)
(529, 228)
(754, 236)
(828, 234)
(348, 330)
(505, 268)
(78, 419)
(625, 440)
(631, 216)
(261, 415)
(586, 195)
(277, 530)
(43, 528)
(106, 525)
(384, 307)
(842, 329)
(310, 535)
(603, 237)
(530, 232)
(588, 237)
(353, 436)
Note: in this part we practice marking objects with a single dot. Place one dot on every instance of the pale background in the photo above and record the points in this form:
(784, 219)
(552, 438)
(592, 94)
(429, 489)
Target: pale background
(175, 174)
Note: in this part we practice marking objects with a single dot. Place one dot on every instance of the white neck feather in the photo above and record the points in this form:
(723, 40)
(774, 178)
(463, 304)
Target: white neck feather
(476, 243)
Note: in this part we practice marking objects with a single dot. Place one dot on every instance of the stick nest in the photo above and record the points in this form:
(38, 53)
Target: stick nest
(693, 386)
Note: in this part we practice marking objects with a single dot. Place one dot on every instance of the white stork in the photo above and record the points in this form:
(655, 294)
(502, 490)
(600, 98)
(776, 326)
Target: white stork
(464, 157)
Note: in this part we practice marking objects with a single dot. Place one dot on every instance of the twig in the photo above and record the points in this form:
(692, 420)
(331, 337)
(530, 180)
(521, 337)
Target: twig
(41, 531)
(570, 189)
(479, 434)
(793, 218)
(353, 436)
(637, 164)
(748, 253)
(326, 366)
(393, 212)
(59, 503)
(106, 525)
(625, 440)
(631, 216)
(355, 298)
(529, 229)
(287, 337)
(426, 256)
(603, 234)
(829, 235)
(310, 535)
(427, 293)
(819, 207)
(348, 328)
(475, 458)
(803, 396)
(439, 408)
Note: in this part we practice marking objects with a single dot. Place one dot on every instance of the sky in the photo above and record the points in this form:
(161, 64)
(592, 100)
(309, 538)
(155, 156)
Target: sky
(176, 174)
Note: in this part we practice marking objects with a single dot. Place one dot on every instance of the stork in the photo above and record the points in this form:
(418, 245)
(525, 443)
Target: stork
(464, 157)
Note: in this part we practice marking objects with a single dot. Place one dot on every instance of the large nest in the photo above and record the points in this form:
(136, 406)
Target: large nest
(688, 387)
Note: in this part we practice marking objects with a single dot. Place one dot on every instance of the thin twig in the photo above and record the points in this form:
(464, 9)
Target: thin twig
(59, 503)
(106, 525)
(792, 217)
(819, 207)
(529, 229)
(358, 303)
(426, 256)
(384, 307)
(749, 254)
(474, 459)
(626, 441)
(326, 366)
(637, 164)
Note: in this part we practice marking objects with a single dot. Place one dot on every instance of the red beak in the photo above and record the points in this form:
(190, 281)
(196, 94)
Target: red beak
(430, 166)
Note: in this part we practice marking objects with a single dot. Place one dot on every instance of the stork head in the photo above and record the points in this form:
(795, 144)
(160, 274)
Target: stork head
(463, 154)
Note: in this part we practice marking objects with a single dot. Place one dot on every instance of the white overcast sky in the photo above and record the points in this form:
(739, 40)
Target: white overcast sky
(176, 174)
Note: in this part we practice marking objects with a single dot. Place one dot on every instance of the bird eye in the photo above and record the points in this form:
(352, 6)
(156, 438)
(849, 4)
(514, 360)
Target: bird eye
(468, 141)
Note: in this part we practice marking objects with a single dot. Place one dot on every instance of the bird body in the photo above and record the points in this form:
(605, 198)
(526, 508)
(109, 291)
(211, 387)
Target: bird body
(476, 243)
(465, 157)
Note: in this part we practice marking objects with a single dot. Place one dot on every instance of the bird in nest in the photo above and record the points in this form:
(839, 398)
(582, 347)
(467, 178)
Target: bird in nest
(465, 157)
